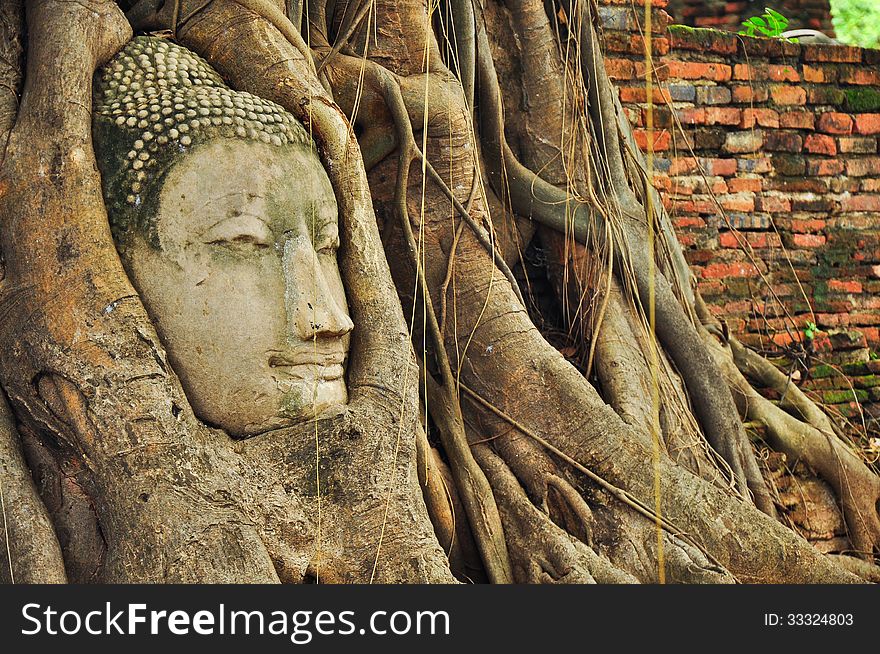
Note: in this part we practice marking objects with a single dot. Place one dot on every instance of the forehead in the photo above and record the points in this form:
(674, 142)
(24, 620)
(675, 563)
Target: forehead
(228, 176)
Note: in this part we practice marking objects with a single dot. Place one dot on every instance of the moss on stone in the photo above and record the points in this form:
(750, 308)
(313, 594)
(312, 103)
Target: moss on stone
(862, 99)
(840, 397)
(822, 371)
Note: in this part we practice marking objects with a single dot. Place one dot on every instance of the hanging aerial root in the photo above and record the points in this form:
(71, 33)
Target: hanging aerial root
(857, 488)
(443, 400)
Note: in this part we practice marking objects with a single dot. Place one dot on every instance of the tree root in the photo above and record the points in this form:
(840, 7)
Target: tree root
(542, 552)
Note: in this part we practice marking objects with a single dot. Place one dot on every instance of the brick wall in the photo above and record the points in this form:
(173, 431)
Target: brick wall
(767, 160)
(727, 15)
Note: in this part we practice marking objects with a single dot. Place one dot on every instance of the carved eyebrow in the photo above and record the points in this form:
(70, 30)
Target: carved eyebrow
(217, 200)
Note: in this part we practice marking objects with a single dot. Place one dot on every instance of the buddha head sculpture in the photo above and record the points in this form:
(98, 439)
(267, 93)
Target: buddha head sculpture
(227, 225)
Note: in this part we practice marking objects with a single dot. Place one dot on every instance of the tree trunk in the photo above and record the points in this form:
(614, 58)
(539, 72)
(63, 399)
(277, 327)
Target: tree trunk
(449, 152)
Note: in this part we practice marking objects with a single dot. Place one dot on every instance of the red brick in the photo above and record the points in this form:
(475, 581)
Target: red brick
(620, 69)
(809, 240)
(814, 74)
(773, 204)
(788, 95)
(638, 94)
(754, 239)
(841, 286)
(685, 222)
(858, 144)
(820, 144)
(860, 203)
(662, 139)
(722, 167)
(860, 76)
(839, 53)
(764, 118)
(723, 116)
(807, 226)
(797, 120)
(699, 70)
(867, 123)
(863, 166)
(824, 167)
(740, 184)
(723, 270)
(835, 123)
(748, 94)
(692, 116)
(696, 205)
(783, 142)
(759, 71)
(683, 165)
(744, 202)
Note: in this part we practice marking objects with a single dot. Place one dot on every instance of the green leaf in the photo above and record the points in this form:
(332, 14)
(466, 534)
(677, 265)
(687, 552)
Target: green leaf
(775, 14)
(757, 21)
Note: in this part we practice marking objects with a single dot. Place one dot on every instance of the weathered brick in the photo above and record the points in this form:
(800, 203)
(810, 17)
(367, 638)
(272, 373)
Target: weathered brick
(620, 69)
(859, 75)
(857, 144)
(763, 117)
(740, 184)
(754, 239)
(781, 141)
(721, 167)
(740, 142)
(692, 116)
(759, 165)
(835, 123)
(713, 95)
(759, 72)
(682, 92)
(709, 138)
(702, 40)
(638, 94)
(723, 270)
(826, 95)
(723, 116)
(699, 70)
(838, 53)
(815, 204)
(845, 286)
(738, 202)
(863, 166)
(662, 139)
(824, 167)
(867, 123)
(819, 74)
(788, 95)
(790, 165)
(860, 203)
(773, 203)
(797, 120)
(750, 93)
(807, 226)
(808, 240)
(820, 144)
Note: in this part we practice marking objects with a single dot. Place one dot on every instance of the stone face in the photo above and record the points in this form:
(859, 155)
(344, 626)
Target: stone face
(227, 225)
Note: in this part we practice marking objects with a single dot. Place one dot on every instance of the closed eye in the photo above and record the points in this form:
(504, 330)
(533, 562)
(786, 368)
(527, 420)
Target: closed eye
(241, 239)
(240, 230)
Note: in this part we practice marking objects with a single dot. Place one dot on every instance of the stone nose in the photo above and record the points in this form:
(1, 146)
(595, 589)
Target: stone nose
(313, 310)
